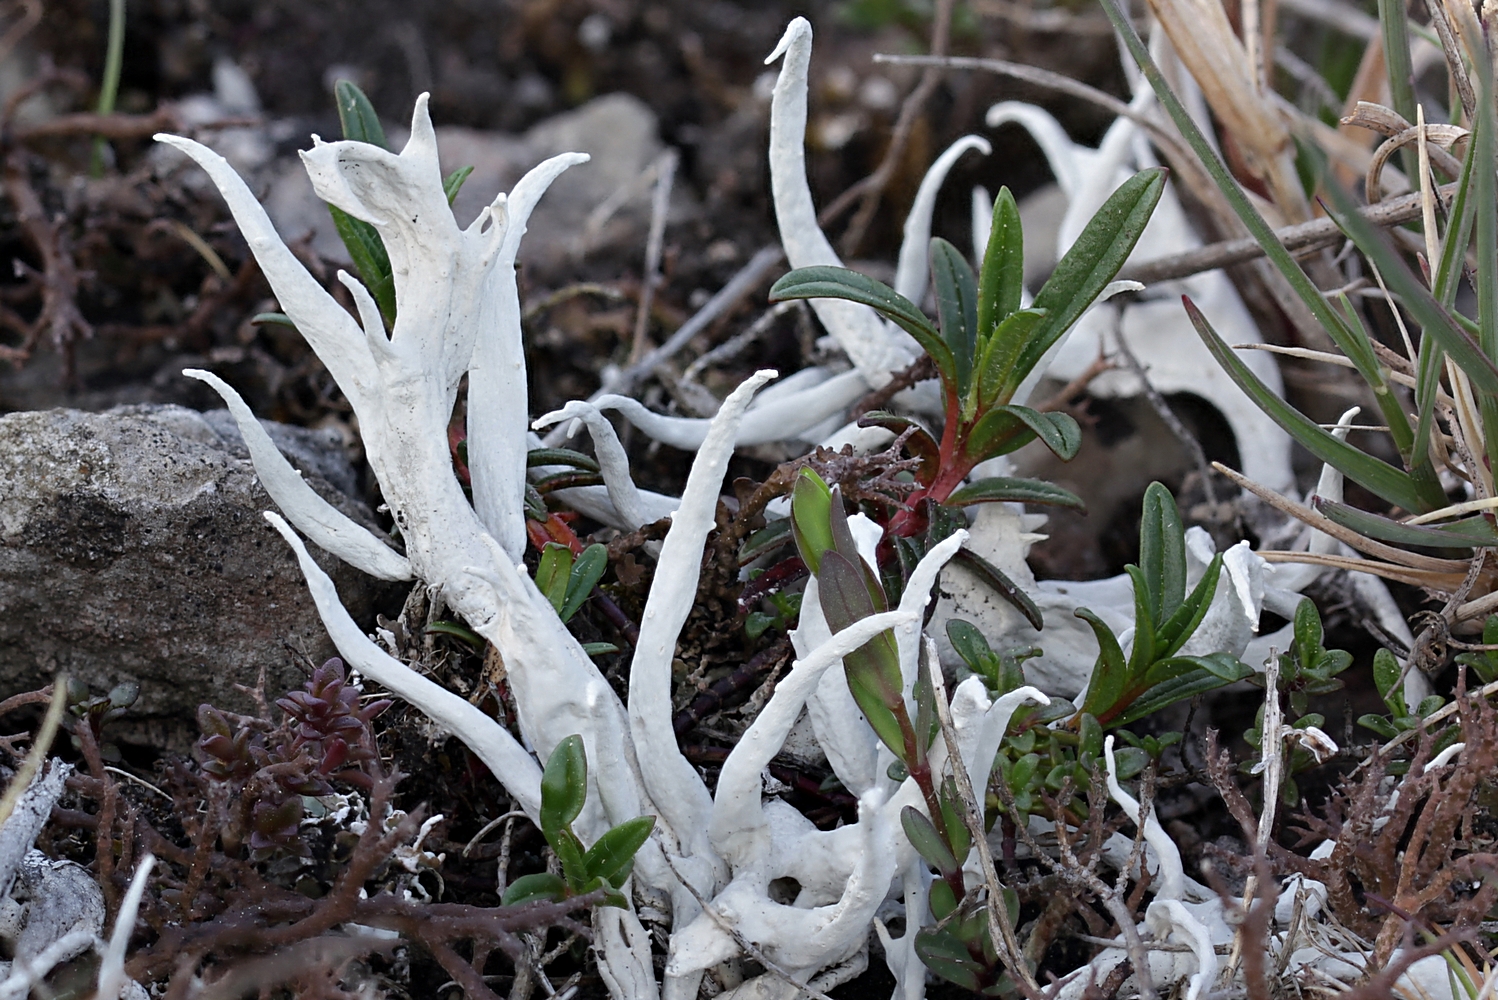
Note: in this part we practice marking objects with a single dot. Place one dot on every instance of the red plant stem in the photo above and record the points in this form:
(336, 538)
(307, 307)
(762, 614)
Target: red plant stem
(955, 466)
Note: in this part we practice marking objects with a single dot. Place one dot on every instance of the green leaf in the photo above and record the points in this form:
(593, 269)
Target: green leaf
(564, 788)
(1129, 762)
(1178, 628)
(1380, 726)
(1434, 320)
(587, 570)
(943, 900)
(1467, 533)
(569, 851)
(948, 958)
(1146, 648)
(1002, 282)
(840, 283)
(560, 456)
(997, 432)
(1308, 633)
(1000, 582)
(1162, 552)
(1001, 489)
(367, 251)
(534, 888)
(1186, 685)
(457, 631)
(927, 723)
(357, 116)
(1057, 431)
(996, 364)
(612, 855)
(599, 648)
(926, 841)
(453, 182)
(553, 572)
(279, 319)
(969, 643)
(1110, 673)
(811, 516)
(1092, 262)
(951, 816)
(767, 539)
(1386, 671)
(1377, 476)
(956, 307)
(873, 670)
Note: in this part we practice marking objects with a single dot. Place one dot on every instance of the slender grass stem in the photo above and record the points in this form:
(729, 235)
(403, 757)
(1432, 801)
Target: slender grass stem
(109, 87)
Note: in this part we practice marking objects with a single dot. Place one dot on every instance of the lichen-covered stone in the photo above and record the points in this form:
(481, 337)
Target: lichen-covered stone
(132, 547)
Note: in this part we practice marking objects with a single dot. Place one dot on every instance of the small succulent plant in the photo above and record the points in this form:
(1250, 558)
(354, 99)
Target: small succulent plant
(324, 735)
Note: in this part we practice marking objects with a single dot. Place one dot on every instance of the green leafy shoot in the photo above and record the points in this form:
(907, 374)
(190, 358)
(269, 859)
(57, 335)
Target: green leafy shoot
(1125, 689)
(984, 346)
(605, 866)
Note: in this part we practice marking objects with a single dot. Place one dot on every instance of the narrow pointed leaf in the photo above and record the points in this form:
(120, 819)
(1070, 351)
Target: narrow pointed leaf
(367, 251)
(1002, 489)
(1187, 685)
(453, 182)
(614, 852)
(1093, 261)
(1005, 343)
(1000, 582)
(1469, 532)
(1001, 283)
(1412, 293)
(823, 282)
(1145, 622)
(1162, 552)
(1379, 477)
(1178, 628)
(357, 116)
(1109, 673)
(956, 307)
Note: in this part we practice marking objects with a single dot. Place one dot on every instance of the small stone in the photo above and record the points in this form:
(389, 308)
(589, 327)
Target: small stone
(132, 549)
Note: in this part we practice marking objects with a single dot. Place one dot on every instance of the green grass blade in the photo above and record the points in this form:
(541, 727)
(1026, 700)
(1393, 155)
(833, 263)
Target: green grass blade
(1469, 532)
(1485, 193)
(1396, 37)
(1385, 481)
(1434, 320)
(1458, 233)
(1304, 288)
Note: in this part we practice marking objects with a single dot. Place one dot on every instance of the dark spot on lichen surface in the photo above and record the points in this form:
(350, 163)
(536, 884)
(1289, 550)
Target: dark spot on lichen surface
(83, 529)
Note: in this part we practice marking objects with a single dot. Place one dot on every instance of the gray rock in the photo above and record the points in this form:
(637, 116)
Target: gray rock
(132, 547)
